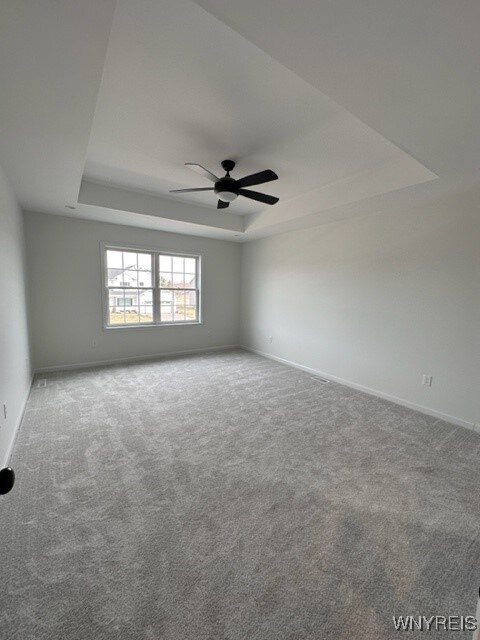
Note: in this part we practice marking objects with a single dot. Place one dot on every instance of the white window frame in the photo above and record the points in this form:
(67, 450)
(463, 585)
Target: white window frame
(156, 253)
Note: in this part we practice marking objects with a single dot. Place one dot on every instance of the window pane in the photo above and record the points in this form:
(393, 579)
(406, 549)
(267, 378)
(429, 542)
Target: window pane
(191, 314)
(165, 279)
(166, 313)
(166, 297)
(130, 279)
(190, 298)
(166, 263)
(190, 281)
(117, 307)
(144, 306)
(146, 313)
(113, 276)
(181, 298)
(190, 265)
(166, 306)
(144, 279)
(116, 316)
(129, 260)
(178, 264)
(119, 297)
(114, 259)
(130, 303)
(144, 262)
(146, 298)
(178, 280)
(179, 314)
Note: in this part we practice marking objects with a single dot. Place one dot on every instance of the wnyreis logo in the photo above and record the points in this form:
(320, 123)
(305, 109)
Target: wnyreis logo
(440, 623)
(435, 623)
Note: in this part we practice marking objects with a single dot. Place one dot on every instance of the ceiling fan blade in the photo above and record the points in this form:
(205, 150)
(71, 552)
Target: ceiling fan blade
(189, 190)
(222, 205)
(257, 178)
(202, 171)
(261, 197)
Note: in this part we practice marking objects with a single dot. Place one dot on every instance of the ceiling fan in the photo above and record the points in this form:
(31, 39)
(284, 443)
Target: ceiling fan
(228, 189)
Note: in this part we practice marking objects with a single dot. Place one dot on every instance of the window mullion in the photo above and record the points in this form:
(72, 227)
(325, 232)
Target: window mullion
(156, 288)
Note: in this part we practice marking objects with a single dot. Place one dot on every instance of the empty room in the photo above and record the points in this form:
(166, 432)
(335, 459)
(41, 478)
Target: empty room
(240, 319)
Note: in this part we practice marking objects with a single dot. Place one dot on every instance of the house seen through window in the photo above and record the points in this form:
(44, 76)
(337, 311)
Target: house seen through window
(151, 287)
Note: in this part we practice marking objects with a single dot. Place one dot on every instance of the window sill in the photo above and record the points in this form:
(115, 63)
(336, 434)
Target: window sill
(151, 326)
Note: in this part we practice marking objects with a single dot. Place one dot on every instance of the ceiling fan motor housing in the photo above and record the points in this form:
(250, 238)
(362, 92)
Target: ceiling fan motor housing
(226, 189)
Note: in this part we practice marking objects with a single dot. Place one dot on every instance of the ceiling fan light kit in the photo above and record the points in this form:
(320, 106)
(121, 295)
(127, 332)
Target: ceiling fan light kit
(227, 189)
(227, 196)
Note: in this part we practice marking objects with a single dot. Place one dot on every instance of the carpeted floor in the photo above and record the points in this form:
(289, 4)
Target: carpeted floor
(225, 496)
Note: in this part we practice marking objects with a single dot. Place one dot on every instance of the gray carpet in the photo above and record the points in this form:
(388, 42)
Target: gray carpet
(228, 496)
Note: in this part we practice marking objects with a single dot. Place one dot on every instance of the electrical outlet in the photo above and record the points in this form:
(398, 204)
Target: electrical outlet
(94, 344)
(427, 380)
(4, 411)
(270, 339)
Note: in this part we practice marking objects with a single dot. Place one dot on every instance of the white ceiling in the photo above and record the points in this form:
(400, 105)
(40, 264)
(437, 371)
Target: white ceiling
(347, 101)
(51, 61)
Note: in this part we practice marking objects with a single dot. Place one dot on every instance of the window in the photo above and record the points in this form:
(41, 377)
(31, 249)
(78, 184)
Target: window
(151, 288)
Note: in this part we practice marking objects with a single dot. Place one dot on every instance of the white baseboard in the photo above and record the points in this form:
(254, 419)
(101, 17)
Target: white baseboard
(359, 387)
(18, 422)
(157, 356)
(373, 392)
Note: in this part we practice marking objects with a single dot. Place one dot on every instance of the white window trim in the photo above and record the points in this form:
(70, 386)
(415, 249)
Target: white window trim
(156, 290)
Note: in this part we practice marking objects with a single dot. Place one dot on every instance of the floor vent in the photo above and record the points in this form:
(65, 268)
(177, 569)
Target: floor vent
(321, 380)
(41, 383)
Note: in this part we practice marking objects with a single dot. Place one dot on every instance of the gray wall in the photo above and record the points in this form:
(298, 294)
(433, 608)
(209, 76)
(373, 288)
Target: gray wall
(15, 375)
(376, 301)
(66, 293)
